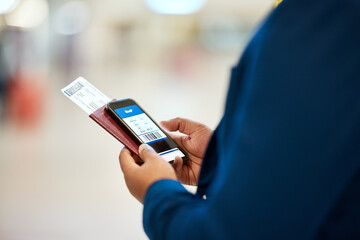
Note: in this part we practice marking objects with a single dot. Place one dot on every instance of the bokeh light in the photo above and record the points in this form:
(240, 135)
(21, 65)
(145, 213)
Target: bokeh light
(8, 5)
(28, 14)
(72, 18)
(175, 7)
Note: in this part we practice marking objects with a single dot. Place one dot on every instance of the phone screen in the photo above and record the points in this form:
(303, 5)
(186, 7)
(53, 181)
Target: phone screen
(141, 124)
(148, 131)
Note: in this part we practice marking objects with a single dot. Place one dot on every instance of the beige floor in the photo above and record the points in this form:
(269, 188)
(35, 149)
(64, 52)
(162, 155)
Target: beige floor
(62, 180)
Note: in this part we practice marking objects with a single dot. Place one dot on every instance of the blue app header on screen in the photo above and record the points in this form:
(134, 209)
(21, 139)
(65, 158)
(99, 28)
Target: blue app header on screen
(128, 111)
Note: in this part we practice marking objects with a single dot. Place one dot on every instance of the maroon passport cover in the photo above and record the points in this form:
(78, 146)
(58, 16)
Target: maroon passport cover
(104, 120)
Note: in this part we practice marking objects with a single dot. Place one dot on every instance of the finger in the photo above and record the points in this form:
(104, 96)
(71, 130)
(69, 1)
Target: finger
(127, 162)
(178, 138)
(147, 153)
(183, 141)
(182, 125)
(178, 164)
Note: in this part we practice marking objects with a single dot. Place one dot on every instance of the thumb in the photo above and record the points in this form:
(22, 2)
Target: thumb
(147, 153)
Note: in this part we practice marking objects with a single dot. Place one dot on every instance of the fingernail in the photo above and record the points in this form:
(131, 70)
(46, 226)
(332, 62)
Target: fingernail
(144, 146)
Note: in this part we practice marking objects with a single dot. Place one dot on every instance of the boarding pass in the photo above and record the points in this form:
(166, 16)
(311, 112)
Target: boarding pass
(85, 95)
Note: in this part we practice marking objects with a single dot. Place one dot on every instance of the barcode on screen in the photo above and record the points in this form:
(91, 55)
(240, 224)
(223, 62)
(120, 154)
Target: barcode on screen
(74, 88)
(152, 136)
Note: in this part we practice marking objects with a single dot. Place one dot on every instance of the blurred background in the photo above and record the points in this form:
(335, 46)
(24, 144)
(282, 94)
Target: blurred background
(59, 171)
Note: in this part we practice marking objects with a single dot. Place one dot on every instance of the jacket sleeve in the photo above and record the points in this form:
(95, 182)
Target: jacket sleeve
(177, 203)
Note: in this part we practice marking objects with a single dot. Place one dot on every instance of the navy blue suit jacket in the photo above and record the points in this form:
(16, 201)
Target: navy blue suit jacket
(284, 162)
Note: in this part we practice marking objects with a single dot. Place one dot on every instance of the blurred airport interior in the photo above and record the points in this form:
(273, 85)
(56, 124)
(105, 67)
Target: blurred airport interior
(59, 171)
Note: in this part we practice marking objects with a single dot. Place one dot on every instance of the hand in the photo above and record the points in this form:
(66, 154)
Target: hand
(194, 140)
(139, 178)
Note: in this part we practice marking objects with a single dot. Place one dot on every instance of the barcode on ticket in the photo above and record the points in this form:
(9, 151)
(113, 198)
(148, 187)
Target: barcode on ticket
(73, 89)
(152, 136)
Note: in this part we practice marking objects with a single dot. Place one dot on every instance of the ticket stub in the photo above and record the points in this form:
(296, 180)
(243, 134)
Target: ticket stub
(85, 95)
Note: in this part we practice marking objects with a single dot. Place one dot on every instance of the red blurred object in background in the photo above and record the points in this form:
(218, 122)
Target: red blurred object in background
(26, 99)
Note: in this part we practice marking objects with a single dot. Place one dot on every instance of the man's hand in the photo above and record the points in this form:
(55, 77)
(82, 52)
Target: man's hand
(194, 140)
(139, 178)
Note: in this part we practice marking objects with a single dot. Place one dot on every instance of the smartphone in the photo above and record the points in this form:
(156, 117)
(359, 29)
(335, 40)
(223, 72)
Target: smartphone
(143, 129)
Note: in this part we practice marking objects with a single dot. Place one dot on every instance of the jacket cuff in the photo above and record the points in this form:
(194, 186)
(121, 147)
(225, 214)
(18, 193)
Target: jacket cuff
(163, 186)
(161, 196)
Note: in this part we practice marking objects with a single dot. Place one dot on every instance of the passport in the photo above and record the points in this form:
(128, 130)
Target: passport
(102, 118)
